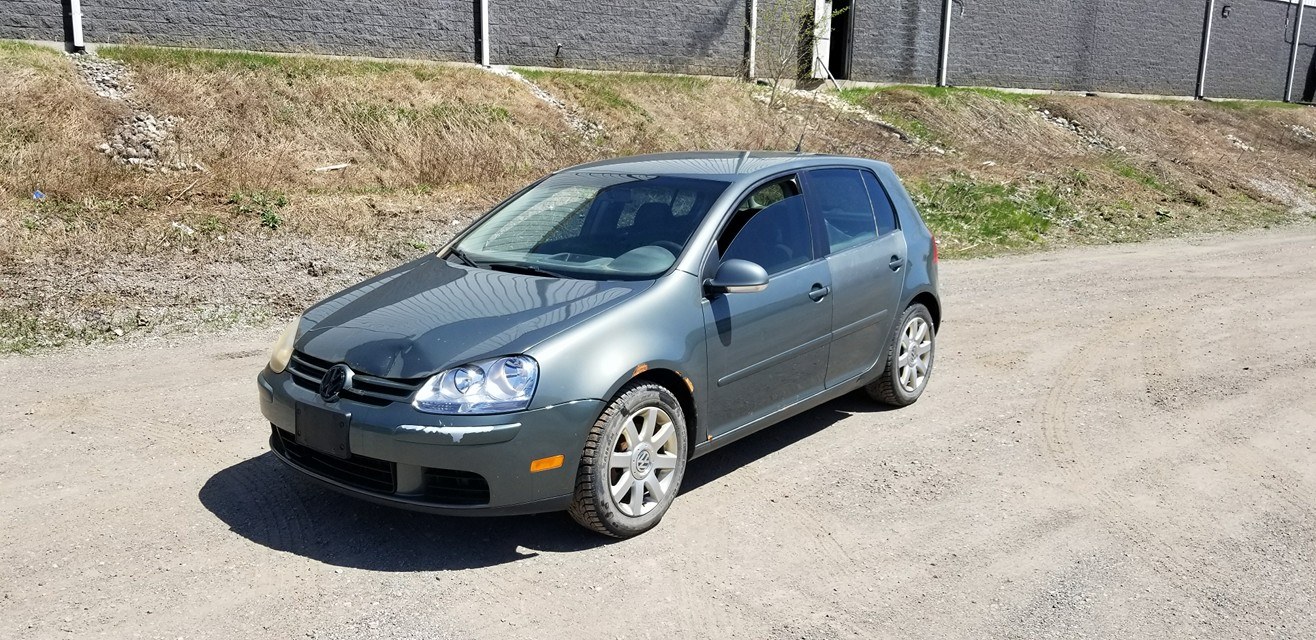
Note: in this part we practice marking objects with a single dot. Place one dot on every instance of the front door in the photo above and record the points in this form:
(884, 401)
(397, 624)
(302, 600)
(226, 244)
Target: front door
(768, 350)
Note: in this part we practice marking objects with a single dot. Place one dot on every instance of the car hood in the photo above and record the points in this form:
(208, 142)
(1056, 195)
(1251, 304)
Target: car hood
(429, 314)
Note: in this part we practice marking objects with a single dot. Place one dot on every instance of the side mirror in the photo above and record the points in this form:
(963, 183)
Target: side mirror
(737, 276)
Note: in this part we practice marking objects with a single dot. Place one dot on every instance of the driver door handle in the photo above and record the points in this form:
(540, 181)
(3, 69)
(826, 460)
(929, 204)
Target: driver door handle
(819, 292)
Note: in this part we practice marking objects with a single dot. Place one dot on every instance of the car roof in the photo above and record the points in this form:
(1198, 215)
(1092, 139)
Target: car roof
(728, 166)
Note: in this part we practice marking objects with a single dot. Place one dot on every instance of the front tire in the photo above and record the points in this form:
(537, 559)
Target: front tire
(634, 461)
(908, 361)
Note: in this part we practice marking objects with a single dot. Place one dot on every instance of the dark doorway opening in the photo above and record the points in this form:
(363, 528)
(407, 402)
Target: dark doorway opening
(842, 39)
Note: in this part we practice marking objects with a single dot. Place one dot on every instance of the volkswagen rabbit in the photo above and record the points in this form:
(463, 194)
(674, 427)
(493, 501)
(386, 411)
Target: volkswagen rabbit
(579, 345)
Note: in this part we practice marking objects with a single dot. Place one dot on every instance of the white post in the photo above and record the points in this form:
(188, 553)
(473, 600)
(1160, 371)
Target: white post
(753, 36)
(822, 38)
(1293, 52)
(75, 15)
(484, 32)
(943, 56)
(1200, 91)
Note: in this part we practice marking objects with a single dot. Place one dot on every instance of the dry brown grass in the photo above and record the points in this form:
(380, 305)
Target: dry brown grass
(259, 234)
(50, 122)
(646, 113)
(264, 122)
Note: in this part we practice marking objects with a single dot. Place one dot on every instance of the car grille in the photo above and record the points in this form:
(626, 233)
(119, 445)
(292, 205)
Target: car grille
(442, 486)
(307, 372)
(370, 474)
(447, 486)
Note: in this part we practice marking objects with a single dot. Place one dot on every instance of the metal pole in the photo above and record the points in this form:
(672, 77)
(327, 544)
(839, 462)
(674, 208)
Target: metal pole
(74, 25)
(943, 59)
(1200, 93)
(1293, 52)
(753, 35)
(484, 32)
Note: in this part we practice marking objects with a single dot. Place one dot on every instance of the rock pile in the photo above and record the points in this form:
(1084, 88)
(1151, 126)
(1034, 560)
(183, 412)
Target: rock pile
(108, 78)
(143, 139)
(1092, 139)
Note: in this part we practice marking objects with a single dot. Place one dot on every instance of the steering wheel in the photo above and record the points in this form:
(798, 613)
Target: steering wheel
(674, 248)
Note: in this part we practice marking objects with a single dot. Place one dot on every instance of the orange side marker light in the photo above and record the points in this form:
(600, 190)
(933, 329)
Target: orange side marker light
(545, 464)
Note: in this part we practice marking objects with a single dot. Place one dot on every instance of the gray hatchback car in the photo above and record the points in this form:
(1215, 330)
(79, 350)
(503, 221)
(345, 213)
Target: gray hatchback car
(580, 343)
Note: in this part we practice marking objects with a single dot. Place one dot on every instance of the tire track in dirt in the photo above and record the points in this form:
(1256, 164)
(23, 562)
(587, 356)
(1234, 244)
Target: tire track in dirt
(1068, 452)
(1164, 362)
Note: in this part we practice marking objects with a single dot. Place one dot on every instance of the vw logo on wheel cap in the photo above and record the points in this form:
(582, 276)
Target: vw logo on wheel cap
(336, 380)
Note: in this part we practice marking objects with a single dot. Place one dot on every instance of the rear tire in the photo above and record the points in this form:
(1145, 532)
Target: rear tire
(908, 360)
(633, 463)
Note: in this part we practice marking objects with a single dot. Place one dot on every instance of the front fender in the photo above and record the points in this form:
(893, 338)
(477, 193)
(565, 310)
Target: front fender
(661, 328)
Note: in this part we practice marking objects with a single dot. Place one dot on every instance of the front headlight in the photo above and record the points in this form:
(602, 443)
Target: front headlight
(282, 352)
(498, 385)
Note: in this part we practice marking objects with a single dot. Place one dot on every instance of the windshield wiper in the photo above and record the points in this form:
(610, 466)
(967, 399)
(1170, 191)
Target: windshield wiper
(463, 258)
(517, 267)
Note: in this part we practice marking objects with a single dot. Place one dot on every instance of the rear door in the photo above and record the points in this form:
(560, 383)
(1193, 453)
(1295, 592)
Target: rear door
(767, 350)
(865, 258)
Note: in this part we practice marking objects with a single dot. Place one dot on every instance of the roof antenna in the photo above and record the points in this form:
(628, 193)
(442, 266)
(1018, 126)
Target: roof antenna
(799, 146)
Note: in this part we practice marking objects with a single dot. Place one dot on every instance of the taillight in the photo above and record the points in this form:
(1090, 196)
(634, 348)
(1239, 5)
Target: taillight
(935, 246)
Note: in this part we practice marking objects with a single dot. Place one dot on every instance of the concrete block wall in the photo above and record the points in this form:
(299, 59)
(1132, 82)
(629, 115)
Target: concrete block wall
(32, 20)
(649, 35)
(433, 29)
(1133, 46)
(896, 40)
(1129, 46)
(1250, 49)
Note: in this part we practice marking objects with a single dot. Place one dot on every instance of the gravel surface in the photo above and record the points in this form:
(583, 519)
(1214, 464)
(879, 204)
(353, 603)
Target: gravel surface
(1117, 442)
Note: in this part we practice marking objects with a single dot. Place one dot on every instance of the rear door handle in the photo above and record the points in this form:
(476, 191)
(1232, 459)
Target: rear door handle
(896, 263)
(819, 292)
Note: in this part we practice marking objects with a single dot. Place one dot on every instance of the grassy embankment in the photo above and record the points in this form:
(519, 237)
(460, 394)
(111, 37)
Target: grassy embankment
(113, 250)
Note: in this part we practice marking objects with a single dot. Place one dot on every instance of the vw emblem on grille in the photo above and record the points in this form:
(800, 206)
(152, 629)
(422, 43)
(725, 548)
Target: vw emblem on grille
(336, 380)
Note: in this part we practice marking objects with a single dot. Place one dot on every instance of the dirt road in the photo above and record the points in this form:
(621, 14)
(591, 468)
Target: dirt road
(1117, 442)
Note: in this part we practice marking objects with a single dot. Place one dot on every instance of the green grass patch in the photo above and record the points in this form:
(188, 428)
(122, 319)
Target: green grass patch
(17, 49)
(862, 95)
(1252, 105)
(672, 82)
(265, 205)
(598, 90)
(22, 332)
(974, 218)
(1136, 174)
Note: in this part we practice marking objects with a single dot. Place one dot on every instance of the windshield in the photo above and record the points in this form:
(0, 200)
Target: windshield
(593, 225)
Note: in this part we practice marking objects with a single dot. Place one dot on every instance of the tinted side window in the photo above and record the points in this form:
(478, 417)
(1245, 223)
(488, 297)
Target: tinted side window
(844, 204)
(776, 238)
(886, 214)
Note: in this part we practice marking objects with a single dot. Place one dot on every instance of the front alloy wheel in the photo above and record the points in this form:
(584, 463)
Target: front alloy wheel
(633, 462)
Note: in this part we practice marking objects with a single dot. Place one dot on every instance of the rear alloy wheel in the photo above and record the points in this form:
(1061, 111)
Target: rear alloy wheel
(633, 463)
(909, 360)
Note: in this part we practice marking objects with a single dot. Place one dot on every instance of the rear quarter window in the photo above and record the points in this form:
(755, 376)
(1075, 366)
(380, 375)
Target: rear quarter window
(882, 207)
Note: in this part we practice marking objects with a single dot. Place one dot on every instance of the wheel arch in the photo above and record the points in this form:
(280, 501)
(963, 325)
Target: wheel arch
(927, 299)
(679, 385)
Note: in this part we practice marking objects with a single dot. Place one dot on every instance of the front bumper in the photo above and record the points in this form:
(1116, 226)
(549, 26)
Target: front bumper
(436, 463)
